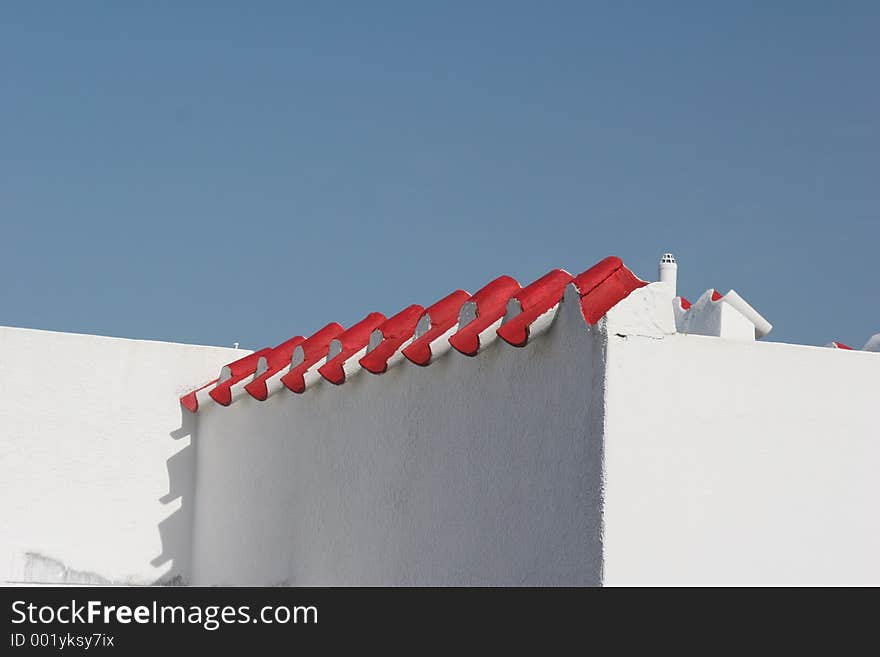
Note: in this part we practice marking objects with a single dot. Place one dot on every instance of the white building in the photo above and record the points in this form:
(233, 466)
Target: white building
(589, 429)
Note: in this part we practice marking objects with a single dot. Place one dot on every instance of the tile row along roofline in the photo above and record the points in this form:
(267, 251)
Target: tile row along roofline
(461, 321)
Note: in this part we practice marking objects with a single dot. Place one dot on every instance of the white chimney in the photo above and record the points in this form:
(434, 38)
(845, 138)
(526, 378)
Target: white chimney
(669, 271)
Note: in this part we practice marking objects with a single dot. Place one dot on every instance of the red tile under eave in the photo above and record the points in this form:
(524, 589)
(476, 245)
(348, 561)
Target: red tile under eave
(395, 332)
(443, 316)
(190, 400)
(603, 286)
(276, 361)
(353, 340)
(315, 348)
(491, 302)
(535, 299)
(243, 367)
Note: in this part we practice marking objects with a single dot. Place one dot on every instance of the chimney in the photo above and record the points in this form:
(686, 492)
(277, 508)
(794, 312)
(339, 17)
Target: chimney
(668, 270)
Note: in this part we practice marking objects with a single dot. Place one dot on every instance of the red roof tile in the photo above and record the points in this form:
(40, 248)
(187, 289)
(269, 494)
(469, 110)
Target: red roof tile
(346, 345)
(310, 352)
(441, 317)
(534, 300)
(393, 334)
(274, 363)
(487, 305)
(603, 285)
(233, 373)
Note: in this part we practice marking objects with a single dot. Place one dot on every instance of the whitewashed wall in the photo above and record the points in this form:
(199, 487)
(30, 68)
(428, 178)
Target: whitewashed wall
(732, 462)
(720, 462)
(476, 471)
(89, 429)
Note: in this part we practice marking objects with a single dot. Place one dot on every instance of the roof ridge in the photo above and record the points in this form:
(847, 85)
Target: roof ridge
(463, 321)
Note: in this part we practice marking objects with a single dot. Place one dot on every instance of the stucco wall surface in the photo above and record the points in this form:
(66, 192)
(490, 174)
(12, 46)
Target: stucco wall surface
(90, 428)
(731, 462)
(623, 453)
(479, 471)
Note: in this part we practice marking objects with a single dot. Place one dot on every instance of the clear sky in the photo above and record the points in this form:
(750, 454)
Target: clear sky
(217, 172)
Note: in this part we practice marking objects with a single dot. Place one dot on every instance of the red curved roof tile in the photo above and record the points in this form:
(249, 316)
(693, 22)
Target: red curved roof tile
(190, 401)
(310, 352)
(394, 333)
(488, 305)
(442, 316)
(534, 300)
(276, 361)
(349, 343)
(233, 373)
(604, 285)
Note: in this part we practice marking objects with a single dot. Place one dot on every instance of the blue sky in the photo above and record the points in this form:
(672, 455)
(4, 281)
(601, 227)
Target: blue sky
(213, 172)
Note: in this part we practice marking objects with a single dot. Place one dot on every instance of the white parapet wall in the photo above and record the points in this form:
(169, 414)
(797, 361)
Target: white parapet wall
(483, 471)
(95, 464)
(732, 462)
(620, 453)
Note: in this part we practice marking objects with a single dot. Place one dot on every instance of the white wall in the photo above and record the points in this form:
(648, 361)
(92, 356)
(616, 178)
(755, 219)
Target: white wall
(89, 428)
(722, 462)
(732, 462)
(480, 470)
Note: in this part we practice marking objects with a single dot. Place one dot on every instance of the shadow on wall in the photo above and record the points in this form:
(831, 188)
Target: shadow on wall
(176, 530)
